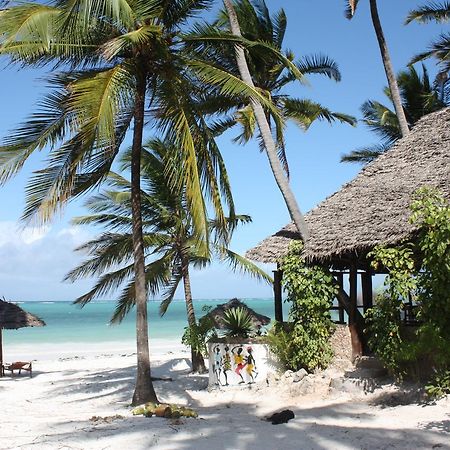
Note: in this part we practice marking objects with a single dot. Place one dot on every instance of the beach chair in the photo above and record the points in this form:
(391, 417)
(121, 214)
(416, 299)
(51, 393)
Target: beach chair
(19, 366)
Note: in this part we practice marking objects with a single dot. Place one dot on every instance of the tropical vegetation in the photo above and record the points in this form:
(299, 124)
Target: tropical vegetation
(171, 245)
(435, 11)
(419, 275)
(419, 98)
(252, 21)
(118, 64)
(351, 6)
(305, 341)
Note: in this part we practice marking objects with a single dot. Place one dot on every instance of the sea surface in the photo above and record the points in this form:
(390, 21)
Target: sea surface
(66, 322)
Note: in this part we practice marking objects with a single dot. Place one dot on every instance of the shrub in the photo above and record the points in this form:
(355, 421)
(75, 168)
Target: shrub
(420, 272)
(196, 337)
(310, 291)
(439, 385)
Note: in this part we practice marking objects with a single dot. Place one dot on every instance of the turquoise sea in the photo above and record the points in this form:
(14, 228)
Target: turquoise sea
(66, 322)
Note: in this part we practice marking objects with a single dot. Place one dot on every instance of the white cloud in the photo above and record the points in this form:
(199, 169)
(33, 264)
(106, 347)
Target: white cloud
(33, 262)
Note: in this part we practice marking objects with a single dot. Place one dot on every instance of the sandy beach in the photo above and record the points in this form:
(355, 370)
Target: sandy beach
(81, 401)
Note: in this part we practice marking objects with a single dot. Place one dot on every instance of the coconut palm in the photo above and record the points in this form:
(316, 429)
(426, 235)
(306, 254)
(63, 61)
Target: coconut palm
(419, 98)
(440, 49)
(256, 113)
(126, 65)
(390, 74)
(268, 74)
(170, 242)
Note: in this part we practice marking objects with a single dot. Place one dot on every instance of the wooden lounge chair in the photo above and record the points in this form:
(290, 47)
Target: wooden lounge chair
(18, 365)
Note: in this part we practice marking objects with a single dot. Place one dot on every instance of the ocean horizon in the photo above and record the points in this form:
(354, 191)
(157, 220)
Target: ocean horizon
(69, 323)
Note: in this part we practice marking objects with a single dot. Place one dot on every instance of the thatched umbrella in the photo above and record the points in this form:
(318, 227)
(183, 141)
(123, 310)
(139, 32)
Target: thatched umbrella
(13, 317)
(217, 314)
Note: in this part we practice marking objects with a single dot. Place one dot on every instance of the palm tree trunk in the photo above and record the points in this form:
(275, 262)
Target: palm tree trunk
(198, 362)
(269, 143)
(144, 391)
(392, 81)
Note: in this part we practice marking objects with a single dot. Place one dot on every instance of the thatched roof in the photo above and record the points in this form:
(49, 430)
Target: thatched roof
(217, 314)
(373, 208)
(13, 317)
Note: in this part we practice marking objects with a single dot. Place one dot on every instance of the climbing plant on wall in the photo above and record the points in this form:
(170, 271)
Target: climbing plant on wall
(304, 343)
(419, 271)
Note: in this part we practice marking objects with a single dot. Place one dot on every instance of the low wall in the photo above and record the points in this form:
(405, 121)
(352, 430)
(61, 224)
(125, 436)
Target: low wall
(238, 363)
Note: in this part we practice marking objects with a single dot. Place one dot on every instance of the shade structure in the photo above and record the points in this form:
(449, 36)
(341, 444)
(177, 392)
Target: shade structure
(13, 317)
(374, 208)
(217, 314)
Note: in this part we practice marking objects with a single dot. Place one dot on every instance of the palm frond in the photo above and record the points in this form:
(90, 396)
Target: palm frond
(305, 112)
(350, 8)
(242, 265)
(430, 12)
(279, 21)
(44, 128)
(106, 284)
(365, 155)
(125, 43)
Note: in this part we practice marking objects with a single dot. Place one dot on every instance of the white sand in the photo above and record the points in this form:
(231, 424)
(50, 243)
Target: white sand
(53, 410)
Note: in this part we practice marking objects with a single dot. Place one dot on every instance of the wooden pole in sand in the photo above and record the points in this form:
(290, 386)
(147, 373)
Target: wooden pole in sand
(1, 353)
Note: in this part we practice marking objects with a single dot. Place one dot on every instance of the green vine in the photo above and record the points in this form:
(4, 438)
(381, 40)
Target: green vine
(310, 291)
(419, 272)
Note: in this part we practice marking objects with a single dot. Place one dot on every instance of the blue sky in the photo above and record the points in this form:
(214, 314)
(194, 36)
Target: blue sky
(33, 262)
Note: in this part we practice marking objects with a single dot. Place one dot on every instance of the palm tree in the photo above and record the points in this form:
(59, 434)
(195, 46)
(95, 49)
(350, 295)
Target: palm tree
(440, 49)
(126, 65)
(170, 242)
(390, 74)
(268, 74)
(419, 98)
(265, 131)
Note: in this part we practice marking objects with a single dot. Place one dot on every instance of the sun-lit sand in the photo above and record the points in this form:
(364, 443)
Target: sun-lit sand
(81, 401)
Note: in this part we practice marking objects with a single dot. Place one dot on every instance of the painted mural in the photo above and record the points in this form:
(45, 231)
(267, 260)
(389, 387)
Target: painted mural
(233, 364)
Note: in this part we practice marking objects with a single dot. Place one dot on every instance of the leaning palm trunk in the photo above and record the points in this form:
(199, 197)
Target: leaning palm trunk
(144, 391)
(266, 134)
(198, 362)
(392, 81)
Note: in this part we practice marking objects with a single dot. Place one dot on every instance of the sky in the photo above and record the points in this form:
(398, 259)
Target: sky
(33, 261)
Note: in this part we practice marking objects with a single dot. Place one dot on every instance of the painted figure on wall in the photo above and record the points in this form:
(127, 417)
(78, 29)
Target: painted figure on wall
(232, 365)
(251, 365)
(217, 363)
(238, 361)
(226, 363)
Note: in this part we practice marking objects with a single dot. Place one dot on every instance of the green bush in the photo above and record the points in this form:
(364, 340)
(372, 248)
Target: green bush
(384, 324)
(304, 343)
(439, 385)
(418, 271)
(198, 336)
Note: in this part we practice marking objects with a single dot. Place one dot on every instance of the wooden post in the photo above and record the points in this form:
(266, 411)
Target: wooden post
(1, 353)
(357, 345)
(277, 294)
(340, 280)
(366, 279)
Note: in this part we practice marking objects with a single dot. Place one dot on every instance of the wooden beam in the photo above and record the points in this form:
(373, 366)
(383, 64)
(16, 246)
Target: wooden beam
(277, 295)
(355, 332)
(340, 280)
(1, 353)
(367, 291)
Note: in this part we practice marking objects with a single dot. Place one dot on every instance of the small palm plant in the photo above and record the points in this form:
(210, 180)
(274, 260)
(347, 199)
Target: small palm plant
(238, 323)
